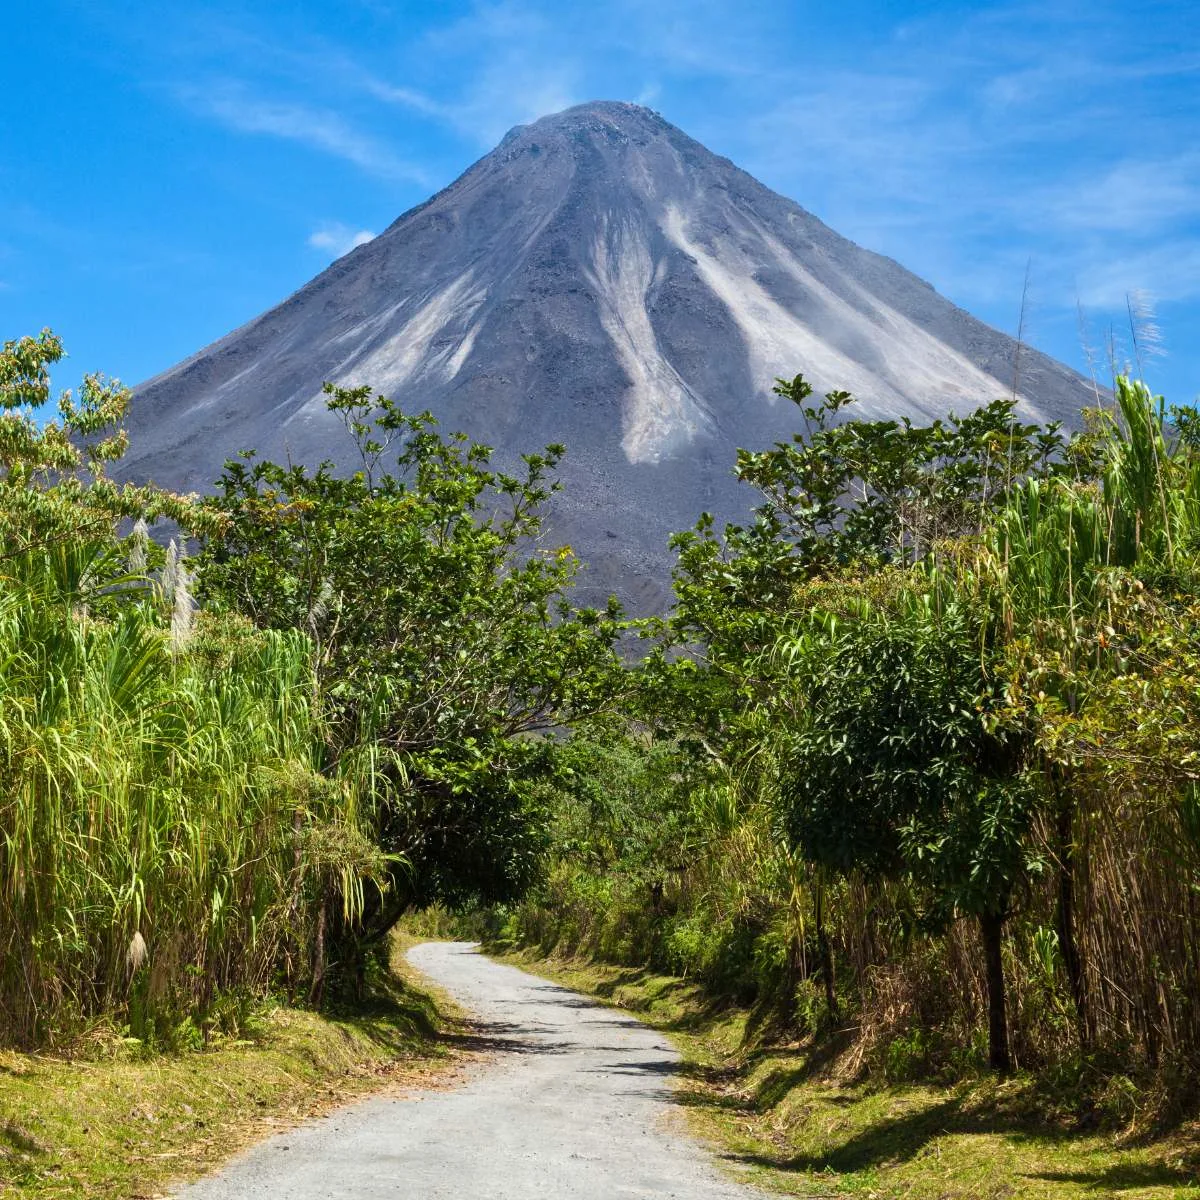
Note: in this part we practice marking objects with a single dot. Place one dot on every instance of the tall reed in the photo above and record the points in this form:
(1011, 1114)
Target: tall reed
(164, 837)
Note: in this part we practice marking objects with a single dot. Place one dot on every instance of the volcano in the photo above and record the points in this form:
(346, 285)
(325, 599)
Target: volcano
(602, 280)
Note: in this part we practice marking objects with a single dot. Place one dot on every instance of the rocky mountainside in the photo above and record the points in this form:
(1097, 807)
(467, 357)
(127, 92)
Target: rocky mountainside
(601, 280)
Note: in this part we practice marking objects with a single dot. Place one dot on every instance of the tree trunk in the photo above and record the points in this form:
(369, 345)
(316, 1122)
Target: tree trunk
(317, 990)
(991, 927)
(824, 952)
(797, 970)
(360, 975)
(1065, 917)
(292, 946)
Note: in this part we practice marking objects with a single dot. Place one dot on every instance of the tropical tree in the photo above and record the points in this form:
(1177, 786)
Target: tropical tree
(445, 653)
(53, 486)
(901, 766)
(844, 628)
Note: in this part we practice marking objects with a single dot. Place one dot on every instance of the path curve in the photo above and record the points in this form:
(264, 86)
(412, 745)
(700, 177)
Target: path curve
(576, 1106)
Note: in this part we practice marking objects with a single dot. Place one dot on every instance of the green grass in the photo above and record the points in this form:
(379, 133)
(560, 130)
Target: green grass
(111, 1122)
(791, 1120)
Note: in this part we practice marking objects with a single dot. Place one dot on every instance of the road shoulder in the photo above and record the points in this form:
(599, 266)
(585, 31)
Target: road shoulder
(778, 1117)
(107, 1120)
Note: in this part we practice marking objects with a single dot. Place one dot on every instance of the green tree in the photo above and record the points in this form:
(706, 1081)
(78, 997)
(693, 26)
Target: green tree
(903, 765)
(445, 650)
(882, 706)
(53, 486)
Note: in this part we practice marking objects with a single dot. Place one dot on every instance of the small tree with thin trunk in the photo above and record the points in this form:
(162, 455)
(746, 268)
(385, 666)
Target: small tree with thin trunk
(899, 769)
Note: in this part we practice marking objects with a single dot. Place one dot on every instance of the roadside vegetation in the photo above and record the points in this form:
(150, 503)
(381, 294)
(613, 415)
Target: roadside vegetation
(785, 1116)
(911, 772)
(915, 767)
(226, 775)
(106, 1118)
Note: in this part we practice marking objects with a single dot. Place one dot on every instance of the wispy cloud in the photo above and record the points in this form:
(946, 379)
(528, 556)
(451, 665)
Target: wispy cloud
(1135, 196)
(406, 97)
(499, 97)
(648, 95)
(493, 67)
(507, 89)
(964, 148)
(236, 107)
(1168, 272)
(337, 239)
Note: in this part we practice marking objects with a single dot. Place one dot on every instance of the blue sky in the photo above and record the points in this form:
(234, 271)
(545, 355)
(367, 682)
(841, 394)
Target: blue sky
(169, 171)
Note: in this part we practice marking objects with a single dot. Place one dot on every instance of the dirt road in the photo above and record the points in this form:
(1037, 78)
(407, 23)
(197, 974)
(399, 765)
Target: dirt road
(575, 1105)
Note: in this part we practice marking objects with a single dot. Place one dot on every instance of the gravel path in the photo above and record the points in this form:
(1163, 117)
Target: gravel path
(577, 1105)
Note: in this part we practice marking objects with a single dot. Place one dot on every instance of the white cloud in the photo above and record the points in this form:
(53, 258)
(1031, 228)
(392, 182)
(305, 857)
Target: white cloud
(507, 91)
(1169, 272)
(406, 97)
(648, 95)
(322, 129)
(964, 149)
(1136, 196)
(337, 239)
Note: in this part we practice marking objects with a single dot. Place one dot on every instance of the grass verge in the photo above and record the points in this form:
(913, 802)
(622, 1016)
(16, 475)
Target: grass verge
(115, 1123)
(782, 1118)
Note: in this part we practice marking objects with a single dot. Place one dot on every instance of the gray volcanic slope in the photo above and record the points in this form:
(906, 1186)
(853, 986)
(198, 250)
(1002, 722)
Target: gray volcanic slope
(601, 280)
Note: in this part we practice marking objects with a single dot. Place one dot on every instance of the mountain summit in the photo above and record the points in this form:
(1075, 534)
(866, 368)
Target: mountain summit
(601, 280)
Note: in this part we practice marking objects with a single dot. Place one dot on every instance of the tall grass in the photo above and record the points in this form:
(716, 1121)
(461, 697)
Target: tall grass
(1097, 586)
(164, 838)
